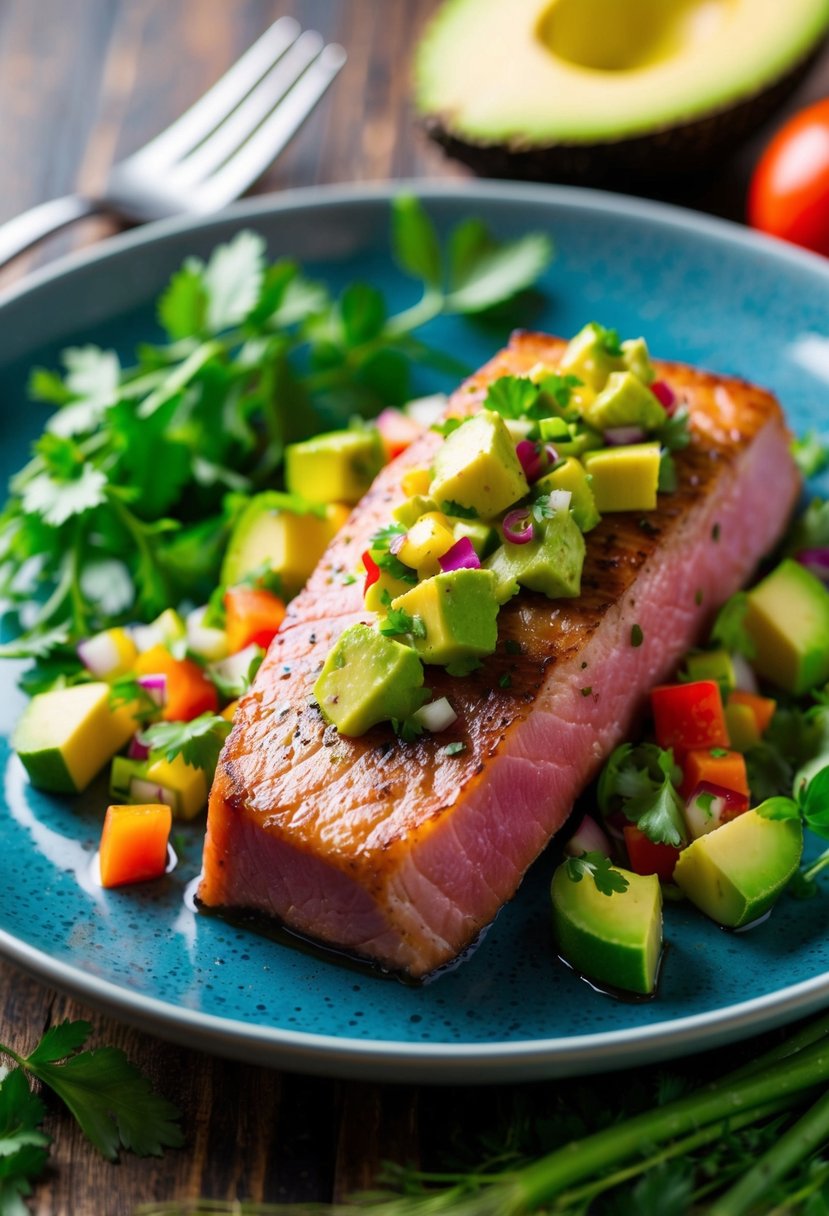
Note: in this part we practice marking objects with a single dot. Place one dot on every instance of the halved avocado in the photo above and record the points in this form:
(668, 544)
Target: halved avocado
(574, 90)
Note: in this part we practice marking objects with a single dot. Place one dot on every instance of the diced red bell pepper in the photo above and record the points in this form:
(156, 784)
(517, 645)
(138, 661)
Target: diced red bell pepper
(689, 716)
(648, 857)
(252, 617)
(725, 768)
(372, 571)
(189, 691)
(397, 431)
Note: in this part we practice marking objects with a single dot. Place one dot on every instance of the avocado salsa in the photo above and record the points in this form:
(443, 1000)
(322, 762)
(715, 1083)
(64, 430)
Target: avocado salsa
(503, 509)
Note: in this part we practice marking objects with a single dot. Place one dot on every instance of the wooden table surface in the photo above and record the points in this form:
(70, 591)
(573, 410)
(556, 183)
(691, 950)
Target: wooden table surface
(82, 83)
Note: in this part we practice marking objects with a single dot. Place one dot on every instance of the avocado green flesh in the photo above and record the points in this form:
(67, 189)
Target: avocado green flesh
(459, 612)
(605, 70)
(736, 873)
(614, 940)
(551, 563)
(67, 735)
(787, 618)
(368, 678)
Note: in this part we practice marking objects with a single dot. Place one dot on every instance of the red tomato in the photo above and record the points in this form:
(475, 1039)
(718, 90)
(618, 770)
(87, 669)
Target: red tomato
(789, 193)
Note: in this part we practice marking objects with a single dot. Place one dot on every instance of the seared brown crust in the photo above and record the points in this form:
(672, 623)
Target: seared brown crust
(359, 803)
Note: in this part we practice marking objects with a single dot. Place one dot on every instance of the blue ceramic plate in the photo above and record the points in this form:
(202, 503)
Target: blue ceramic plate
(701, 291)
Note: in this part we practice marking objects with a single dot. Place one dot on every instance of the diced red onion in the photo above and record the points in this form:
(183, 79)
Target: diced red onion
(137, 750)
(816, 561)
(461, 556)
(396, 543)
(587, 838)
(620, 436)
(148, 792)
(664, 394)
(744, 674)
(99, 654)
(518, 526)
(533, 458)
(155, 686)
(436, 716)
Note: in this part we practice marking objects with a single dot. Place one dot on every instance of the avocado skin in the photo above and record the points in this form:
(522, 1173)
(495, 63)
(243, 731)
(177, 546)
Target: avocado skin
(678, 152)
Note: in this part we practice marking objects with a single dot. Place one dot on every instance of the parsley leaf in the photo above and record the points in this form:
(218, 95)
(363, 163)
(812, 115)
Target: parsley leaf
(512, 396)
(198, 742)
(811, 454)
(598, 867)
(729, 627)
(642, 782)
(113, 1103)
(398, 622)
(674, 433)
(384, 536)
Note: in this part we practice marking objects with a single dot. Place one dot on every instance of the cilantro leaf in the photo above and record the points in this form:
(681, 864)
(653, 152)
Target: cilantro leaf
(498, 273)
(384, 536)
(23, 1147)
(182, 309)
(198, 742)
(729, 627)
(598, 867)
(659, 814)
(512, 396)
(450, 507)
(811, 454)
(415, 243)
(674, 433)
(35, 645)
(113, 1103)
(57, 500)
(398, 622)
(642, 782)
(233, 280)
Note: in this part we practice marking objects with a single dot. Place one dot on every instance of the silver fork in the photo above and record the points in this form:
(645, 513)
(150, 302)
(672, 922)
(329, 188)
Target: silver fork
(210, 155)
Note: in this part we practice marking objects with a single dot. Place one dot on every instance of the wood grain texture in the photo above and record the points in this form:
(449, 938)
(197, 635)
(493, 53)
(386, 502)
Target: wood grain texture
(82, 83)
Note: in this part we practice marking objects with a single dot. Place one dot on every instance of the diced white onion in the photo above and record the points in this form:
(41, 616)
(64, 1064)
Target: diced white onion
(587, 838)
(205, 640)
(143, 793)
(235, 668)
(436, 716)
(703, 817)
(146, 636)
(99, 654)
(427, 410)
(744, 674)
(560, 500)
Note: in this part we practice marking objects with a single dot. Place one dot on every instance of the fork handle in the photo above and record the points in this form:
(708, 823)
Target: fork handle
(33, 225)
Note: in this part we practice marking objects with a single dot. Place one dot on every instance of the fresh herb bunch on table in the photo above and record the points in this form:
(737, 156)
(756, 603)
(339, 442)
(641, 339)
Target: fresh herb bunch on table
(127, 501)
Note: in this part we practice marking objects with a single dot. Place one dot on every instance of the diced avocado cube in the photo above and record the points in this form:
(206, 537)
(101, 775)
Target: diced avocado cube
(520, 428)
(335, 467)
(712, 665)
(279, 532)
(121, 774)
(625, 401)
(67, 735)
(409, 511)
(741, 724)
(383, 590)
(571, 475)
(187, 783)
(637, 359)
(587, 357)
(427, 540)
(551, 563)
(476, 467)
(368, 678)
(483, 537)
(787, 619)
(459, 612)
(614, 940)
(735, 873)
(625, 478)
(165, 629)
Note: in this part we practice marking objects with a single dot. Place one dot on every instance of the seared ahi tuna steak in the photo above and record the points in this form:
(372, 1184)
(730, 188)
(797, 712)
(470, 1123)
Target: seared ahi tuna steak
(401, 852)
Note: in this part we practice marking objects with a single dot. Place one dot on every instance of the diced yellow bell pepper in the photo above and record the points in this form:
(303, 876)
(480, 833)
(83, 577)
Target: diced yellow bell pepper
(188, 783)
(427, 540)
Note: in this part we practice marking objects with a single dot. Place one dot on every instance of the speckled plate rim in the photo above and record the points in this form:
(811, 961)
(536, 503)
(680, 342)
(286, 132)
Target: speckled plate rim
(531, 1059)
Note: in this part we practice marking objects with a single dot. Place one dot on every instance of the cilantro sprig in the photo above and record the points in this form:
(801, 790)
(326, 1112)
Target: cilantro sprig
(600, 869)
(128, 499)
(198, 742)
(642, 783)
(113, 1103)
